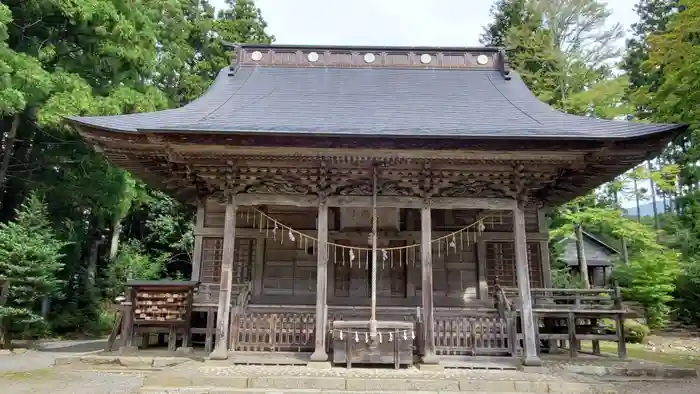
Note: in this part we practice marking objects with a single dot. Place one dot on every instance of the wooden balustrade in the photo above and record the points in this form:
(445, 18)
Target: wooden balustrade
(472, 335)
(273, 332)
(572, 315)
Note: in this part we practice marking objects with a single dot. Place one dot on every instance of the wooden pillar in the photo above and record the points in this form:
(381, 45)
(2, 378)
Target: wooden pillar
(523, 275)
(197, 252)
(429, 356)
(544, 249)
(223, 320)
(319, 353)
(481, 271)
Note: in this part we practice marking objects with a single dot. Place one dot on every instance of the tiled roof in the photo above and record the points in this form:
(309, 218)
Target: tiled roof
(410, 102)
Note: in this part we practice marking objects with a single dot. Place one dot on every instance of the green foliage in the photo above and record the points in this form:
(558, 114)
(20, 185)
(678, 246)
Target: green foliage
(635, 331)
(97, 57)
(650, 279)
(133, 262)
(30, 258)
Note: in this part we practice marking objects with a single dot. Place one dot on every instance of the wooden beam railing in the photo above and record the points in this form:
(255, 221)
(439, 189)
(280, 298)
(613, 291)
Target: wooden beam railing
(572, 315)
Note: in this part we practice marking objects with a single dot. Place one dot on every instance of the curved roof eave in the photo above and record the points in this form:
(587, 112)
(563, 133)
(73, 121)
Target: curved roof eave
(458, 104)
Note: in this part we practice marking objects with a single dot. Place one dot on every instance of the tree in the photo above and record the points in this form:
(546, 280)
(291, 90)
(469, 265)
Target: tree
(506, 15)
(99, 57)
(30, 259)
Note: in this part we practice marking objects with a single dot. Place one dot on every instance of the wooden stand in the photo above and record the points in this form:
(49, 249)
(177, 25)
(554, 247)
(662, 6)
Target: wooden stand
(393, 348)
(158, 306)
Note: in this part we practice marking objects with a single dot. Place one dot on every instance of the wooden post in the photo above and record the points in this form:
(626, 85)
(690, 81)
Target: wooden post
(620, 326)
(429, 356)
(581, 256)
(197, 250)
(481, 271)
(523, 275)
(319, 354)
(225, 291)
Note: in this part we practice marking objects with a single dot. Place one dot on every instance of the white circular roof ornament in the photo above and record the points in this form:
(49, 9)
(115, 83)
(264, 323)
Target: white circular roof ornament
(256, 56)
(369, 57)
(425, 58)
(482, 60)
(312, 56)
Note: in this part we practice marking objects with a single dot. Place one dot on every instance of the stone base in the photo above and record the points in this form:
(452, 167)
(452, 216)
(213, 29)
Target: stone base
(531, 361)
(319, 356)
(186, 351)
(532, 368)
(431, 367)
(219, 354)
(319, 365)
(128, 349)
(430, 359)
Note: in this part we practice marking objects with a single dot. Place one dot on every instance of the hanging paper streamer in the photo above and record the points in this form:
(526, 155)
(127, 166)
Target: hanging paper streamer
(355, 335)
(406, 255)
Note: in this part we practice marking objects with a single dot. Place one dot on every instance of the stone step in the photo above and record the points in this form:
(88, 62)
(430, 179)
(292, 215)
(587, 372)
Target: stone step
(222, 390)
(178, 383)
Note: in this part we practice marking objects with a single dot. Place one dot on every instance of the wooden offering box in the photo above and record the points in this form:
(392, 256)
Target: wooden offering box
(394, 347)
(161, 305)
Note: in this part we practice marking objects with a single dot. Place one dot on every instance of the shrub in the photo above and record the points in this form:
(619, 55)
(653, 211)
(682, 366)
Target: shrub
(650, 279)
(635, 331)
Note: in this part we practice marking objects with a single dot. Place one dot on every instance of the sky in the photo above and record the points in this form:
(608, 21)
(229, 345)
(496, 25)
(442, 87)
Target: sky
(393, 22)
(389, 22)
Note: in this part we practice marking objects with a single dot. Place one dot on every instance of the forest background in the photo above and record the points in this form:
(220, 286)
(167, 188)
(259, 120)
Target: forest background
(74, 228)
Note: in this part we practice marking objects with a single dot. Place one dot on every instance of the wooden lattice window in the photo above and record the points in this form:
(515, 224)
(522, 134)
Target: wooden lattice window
(534, 264)
(212, 255)
(500, 265)
(212, 251)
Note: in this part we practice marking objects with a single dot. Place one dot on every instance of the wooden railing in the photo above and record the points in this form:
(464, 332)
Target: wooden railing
(573, 315)
(471, 335)
(292, 331)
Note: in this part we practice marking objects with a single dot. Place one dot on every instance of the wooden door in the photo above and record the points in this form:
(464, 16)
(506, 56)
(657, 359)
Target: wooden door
(352, 274)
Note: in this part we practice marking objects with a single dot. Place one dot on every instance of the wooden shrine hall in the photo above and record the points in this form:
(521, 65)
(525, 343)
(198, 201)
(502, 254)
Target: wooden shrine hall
(374, 203)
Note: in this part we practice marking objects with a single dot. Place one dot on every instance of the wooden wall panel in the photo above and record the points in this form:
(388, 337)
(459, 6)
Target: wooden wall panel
(455, 273)
(214, 214)
(288, 269)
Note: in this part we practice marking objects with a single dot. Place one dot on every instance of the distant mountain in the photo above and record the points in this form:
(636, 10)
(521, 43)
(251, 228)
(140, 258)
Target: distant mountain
(646, 209)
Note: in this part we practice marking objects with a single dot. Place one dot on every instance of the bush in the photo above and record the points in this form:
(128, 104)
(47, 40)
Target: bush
(650, 279)
(635, 331)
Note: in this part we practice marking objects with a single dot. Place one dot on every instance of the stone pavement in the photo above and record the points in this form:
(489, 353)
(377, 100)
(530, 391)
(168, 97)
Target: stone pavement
(215, 376)
(29, 371)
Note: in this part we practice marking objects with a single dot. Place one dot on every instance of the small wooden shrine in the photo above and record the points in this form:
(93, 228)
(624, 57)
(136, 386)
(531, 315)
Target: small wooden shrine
(345, 193)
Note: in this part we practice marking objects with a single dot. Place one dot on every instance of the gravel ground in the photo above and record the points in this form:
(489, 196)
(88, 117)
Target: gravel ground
(31, 371)
(57, 381)
(665, 387)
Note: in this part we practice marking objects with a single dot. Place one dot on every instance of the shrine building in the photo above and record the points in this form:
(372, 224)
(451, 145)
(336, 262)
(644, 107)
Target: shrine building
(294, 150)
